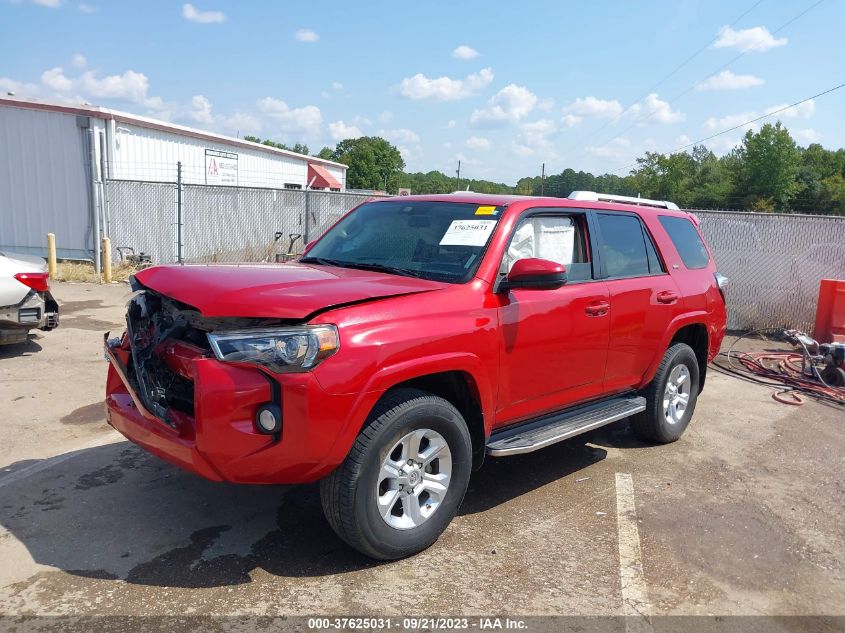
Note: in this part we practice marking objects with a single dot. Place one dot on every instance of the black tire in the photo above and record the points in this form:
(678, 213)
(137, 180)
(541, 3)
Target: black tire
(651, 424)
(348, 494)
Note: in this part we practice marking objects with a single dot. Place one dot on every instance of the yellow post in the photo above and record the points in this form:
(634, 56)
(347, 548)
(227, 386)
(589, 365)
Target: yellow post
(51, 255)
(107, 260)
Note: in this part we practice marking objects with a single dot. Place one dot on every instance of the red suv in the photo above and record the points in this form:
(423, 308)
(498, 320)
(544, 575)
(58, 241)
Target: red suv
(416, 336)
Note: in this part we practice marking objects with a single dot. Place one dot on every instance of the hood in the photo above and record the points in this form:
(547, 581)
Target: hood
(26, 263)
(280, 291)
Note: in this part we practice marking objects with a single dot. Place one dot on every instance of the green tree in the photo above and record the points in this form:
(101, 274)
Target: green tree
(372, 161)
(325, 153)
(769, 162)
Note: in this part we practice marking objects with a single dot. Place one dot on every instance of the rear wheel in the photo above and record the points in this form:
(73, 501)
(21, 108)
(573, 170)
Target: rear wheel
(671, 397)
(403, 480)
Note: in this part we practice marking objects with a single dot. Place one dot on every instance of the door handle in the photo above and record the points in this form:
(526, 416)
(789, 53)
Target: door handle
(667, 296)
(597, 309)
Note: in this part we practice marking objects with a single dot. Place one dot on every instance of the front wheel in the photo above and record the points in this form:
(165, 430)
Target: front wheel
(404, 478)
(671, 397)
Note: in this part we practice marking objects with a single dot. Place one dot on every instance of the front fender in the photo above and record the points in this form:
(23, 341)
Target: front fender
(390, 376)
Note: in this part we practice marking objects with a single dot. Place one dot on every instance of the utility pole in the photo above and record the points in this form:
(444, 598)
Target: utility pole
(458, 172)
(543, 181)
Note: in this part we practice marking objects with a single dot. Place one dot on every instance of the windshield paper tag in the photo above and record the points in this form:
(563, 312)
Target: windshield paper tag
(468, 233)
(485, 211)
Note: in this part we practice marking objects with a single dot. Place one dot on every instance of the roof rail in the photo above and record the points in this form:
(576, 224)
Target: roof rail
(592, 196)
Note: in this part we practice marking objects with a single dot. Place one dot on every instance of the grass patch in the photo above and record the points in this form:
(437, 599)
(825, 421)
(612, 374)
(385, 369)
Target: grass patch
(83, 272)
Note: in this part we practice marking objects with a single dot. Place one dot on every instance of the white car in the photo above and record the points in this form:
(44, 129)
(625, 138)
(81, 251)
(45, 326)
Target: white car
(25, 299)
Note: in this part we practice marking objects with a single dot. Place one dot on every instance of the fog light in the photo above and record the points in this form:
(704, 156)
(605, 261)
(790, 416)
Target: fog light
(268, 419)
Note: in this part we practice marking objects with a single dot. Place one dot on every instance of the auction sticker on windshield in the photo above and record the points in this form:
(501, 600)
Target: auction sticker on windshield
(468, 233)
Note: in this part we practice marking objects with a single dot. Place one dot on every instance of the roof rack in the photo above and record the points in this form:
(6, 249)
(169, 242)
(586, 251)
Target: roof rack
(592, 196)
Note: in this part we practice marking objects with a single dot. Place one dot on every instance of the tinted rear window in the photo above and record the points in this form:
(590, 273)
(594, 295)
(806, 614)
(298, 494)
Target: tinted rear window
(686, 240)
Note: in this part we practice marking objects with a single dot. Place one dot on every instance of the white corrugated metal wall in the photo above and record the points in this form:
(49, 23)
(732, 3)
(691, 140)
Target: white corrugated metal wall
(43, 183)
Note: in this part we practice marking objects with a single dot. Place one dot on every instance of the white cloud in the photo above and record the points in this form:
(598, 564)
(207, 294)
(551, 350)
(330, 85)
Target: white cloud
(728, 121)
(801, 111)
(79, 61)
(385, 116)
(87, 8)
(336, 85)
(756, 39)
(451, 124)
(726, 80)
(805, 136)
(53, 4)
(590, 108)
(478, 142)
(192, 14)
(340, 131)
(445, 88)
(521, 150)
(402, 135)
(305, 121)
(509, 105)
(306, 35)
(617, 148)
(130, 86)
(464, 52)
(55, 80)
(546, 104)
(655, 109)
(200, 110)
(536, 134)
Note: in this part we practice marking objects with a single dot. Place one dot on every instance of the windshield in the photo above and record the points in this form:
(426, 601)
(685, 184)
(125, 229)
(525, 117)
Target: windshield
(442, 241)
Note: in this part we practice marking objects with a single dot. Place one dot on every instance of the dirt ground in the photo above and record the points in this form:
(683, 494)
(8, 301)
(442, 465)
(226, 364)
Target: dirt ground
(743, 516)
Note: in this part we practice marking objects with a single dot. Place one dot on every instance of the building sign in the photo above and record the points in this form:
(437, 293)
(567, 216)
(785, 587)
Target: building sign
(221, 168)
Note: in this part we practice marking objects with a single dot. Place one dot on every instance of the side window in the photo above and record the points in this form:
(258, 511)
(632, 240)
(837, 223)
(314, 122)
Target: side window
(558, 238)
(686, 240)
(623, 246)
(654, 265)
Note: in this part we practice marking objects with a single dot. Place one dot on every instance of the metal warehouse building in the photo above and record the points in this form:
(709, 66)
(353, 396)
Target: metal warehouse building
(55, 159)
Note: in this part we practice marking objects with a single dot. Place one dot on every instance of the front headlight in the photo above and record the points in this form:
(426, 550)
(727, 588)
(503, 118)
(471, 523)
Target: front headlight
(284, 349)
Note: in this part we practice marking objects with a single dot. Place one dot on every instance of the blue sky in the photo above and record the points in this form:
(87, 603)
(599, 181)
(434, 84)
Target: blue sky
(504, 87)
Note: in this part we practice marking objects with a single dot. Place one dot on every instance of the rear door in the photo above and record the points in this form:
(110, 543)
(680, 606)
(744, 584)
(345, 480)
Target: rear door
(553, 342)
(644, 298)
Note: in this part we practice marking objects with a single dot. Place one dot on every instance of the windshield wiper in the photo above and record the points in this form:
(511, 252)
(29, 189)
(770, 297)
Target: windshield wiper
(321, 261)
(382, 268)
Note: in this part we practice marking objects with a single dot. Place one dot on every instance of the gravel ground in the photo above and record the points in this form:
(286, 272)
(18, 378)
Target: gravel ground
(743, 516)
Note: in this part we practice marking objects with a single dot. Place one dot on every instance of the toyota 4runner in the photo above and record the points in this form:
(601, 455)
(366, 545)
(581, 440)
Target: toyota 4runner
(416, 336)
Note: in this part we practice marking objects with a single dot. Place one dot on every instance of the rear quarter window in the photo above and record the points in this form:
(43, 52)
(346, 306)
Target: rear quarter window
(687, 241)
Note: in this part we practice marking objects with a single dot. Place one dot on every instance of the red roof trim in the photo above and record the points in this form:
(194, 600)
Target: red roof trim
(319, 176)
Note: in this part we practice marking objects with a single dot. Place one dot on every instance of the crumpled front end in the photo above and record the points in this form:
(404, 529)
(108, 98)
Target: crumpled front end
(168, 393)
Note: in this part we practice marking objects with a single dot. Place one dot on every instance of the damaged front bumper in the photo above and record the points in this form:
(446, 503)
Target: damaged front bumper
(168, 393)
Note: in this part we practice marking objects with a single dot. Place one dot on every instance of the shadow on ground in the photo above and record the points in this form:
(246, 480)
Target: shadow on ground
(116, 512)
(25, 348)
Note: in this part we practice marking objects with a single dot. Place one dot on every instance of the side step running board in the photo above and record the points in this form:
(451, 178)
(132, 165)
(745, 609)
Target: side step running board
(531, 436)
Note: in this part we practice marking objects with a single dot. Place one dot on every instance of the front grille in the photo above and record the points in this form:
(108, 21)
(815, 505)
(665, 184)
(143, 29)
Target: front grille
(151, 322)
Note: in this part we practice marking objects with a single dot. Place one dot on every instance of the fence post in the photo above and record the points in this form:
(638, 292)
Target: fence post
(51, 255)
(106, 260)
(307, 229)
(179, 212)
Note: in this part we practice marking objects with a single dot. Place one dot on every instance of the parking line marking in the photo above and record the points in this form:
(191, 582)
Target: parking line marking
(634, 593)
(49, 462)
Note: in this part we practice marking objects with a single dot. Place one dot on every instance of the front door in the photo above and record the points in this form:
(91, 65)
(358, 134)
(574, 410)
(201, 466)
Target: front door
(553, 342)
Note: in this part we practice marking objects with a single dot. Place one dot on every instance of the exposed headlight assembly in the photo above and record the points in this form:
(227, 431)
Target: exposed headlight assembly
(282, 350)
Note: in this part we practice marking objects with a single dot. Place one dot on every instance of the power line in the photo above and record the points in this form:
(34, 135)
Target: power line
(749, 122)
(666, 77)
(693, 85)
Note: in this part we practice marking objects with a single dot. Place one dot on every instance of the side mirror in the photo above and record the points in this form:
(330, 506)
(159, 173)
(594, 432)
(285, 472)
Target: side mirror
(536, 274)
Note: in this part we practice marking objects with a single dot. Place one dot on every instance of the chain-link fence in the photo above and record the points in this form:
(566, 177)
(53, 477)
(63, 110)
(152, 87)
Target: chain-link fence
(216, 223)
(774, 262)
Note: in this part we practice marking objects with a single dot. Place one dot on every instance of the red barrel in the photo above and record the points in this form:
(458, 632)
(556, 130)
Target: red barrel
(830, 311)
